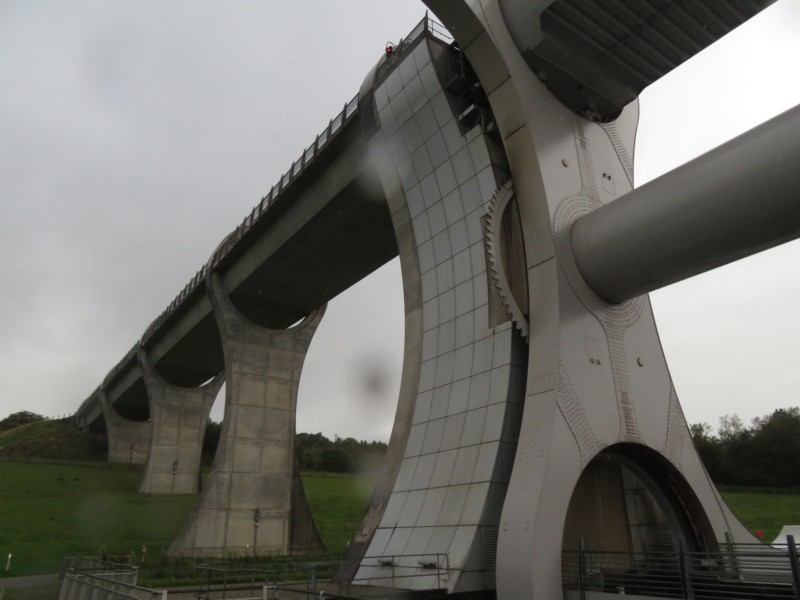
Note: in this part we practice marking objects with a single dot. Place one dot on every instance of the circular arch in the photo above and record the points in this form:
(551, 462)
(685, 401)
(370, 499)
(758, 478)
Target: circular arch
(630, 498)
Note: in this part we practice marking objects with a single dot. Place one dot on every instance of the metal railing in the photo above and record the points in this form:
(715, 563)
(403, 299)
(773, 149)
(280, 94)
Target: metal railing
(220, 576)
(89, 577)
(391, 571)
(746, 571)
(78, 585)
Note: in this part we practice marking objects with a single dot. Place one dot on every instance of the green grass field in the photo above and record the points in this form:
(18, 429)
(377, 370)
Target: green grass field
(764, 511)
(48, 511)
(338, 506)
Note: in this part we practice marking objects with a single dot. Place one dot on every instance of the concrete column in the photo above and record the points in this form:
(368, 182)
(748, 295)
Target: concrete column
(253, 502)
(179, 416)
(128, 441)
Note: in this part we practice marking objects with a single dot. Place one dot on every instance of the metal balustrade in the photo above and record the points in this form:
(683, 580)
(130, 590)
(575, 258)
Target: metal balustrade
(392, 570)
(746, 571)
(78, 585)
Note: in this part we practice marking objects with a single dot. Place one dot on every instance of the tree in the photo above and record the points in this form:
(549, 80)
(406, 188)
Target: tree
(775, 448)
(19, 418)
(336, 460)
(710, 450)
(765, 454)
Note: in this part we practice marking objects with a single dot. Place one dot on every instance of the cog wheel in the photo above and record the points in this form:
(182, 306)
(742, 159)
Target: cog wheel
(506, 253)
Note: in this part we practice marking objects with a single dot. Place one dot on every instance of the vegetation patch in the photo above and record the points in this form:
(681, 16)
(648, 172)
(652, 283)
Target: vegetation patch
(48, 440)
(765, 512)
(49, 511)
(338, 505)
(765, 454)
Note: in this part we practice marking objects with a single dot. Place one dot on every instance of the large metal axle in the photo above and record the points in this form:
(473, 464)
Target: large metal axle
(734, 201)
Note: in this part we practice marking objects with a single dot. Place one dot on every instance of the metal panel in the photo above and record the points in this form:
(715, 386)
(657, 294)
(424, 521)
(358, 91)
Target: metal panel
(596, 57)
(421, 161)
(437, 149)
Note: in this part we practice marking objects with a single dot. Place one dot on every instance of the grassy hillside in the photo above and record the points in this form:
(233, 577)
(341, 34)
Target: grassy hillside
(47, 440)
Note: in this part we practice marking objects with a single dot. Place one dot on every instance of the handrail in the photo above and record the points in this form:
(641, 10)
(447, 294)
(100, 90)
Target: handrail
(113, 588)
(406, 566)
(736, 570)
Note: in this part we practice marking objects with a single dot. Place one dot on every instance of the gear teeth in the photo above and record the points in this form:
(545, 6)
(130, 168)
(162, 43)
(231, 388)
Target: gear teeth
(497, 206)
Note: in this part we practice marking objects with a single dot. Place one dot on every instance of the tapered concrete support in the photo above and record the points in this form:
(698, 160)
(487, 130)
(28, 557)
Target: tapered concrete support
(178, 416)
(128, 441)
(253, 501)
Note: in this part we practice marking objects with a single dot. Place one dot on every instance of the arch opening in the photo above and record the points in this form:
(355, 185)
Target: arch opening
(630, 499)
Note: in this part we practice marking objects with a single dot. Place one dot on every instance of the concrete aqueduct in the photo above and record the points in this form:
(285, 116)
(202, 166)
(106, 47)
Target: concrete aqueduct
(536, 408)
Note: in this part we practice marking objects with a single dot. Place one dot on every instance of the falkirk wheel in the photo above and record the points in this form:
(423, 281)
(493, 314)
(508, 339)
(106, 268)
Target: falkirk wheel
(536, 414)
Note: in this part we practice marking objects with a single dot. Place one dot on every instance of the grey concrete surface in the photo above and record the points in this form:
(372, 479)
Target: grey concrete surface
(128, 441)
(253, 503)
(178, 416)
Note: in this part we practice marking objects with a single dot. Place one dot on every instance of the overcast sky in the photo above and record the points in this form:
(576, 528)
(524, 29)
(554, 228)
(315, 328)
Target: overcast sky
(135, 135)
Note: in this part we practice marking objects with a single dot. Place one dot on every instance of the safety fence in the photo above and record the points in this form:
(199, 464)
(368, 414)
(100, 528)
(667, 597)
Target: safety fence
(88, 578)
(92, 579)
(740, 571)
(397, 571)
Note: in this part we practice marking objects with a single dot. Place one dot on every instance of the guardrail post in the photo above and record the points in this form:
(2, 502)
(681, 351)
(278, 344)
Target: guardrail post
(581, 568)
(793, 561)
(734, 557)
(683, 567)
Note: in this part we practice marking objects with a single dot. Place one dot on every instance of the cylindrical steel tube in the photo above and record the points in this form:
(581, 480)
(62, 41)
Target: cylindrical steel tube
(736, 200)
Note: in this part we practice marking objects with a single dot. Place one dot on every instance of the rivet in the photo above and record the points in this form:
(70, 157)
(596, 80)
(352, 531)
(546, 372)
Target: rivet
(565, 162)
(640, 361)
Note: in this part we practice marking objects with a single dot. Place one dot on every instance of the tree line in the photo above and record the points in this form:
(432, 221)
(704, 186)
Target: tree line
(315, 452)
(765, 454)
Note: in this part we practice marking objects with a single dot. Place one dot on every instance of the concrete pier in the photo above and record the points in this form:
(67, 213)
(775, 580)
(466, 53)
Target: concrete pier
(128, 441)
(178, 416)
(253, 501)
